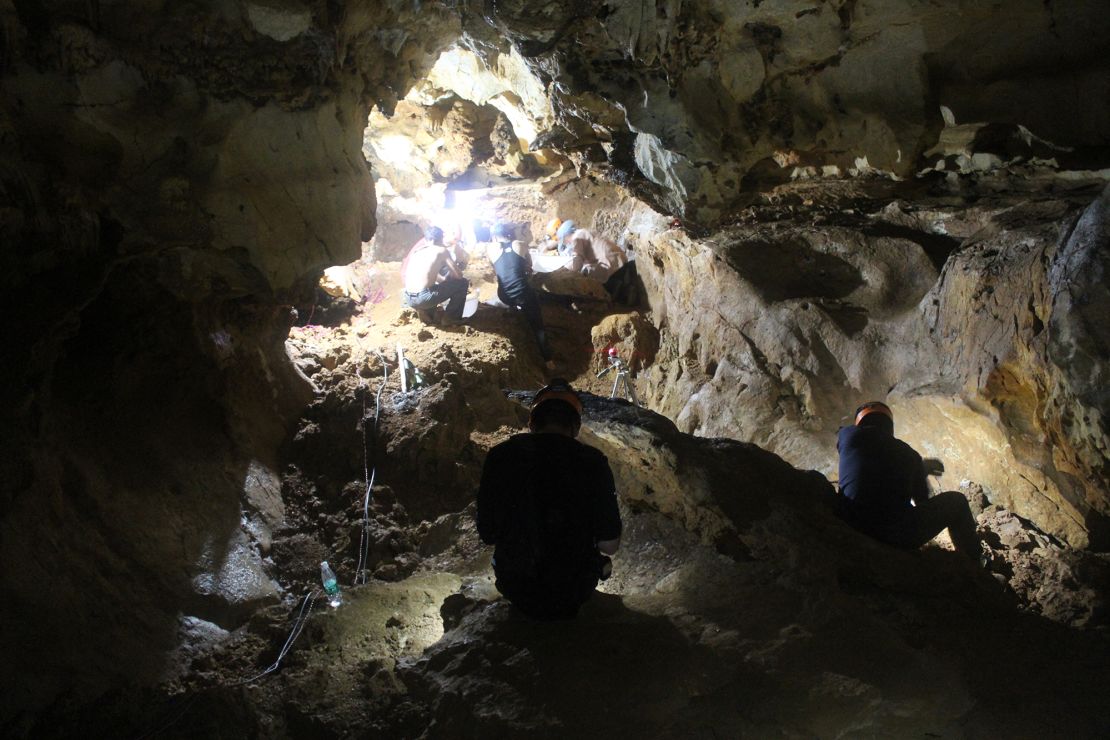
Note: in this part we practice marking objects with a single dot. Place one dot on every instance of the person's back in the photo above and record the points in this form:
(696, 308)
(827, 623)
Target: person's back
(562, 236)
(596, 256)
(423, 267)
(886, 493)
(879, 474)
(610, 252)
(511, 265)
(548, 504)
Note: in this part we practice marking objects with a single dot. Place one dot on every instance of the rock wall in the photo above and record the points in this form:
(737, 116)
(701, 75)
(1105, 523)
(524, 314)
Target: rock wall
(174, 177)
(773, 330)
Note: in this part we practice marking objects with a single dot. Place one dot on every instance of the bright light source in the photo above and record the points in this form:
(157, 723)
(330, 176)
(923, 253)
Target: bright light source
(383, 186)
(469, 205)
(393, 149)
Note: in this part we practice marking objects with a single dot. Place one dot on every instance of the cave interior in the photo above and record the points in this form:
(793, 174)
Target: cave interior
(213, 383)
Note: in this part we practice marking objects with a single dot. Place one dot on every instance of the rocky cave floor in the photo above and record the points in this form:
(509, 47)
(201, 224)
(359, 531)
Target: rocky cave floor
(739, 605)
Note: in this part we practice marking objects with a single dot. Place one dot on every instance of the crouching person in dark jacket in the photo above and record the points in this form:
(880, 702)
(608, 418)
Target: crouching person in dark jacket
(548, 504)
(886, 494)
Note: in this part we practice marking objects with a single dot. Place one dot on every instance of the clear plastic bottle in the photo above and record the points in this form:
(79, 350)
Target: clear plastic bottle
(331, 585)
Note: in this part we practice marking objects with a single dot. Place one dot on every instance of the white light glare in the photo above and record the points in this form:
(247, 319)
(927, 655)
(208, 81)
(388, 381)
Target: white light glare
(393, 149)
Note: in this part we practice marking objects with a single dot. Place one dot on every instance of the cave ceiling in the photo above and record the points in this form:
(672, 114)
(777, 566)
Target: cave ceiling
(693, 100)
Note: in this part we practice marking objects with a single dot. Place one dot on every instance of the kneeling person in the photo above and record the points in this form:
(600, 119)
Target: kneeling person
(548, 504)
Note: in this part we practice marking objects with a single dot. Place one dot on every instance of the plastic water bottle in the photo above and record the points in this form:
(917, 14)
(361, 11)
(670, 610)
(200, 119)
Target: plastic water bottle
(331, 585)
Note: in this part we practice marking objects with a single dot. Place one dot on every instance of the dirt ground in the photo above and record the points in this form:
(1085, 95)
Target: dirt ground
(496, 336)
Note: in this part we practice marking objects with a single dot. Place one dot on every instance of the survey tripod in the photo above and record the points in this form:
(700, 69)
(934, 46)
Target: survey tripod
(621, 381)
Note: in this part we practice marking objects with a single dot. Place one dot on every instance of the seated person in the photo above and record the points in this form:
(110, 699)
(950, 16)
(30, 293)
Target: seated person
(886, 494)
(595, 256)
(550, 243)
(548, 504)
(453, 241)
(481, 231)
(512, 263)
(424, 286)
(605, 261)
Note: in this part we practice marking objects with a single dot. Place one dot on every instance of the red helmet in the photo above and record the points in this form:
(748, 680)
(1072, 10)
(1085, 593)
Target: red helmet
(612, 351)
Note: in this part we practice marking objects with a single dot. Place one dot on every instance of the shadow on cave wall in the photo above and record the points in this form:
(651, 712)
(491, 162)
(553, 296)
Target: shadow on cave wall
(937, 247)
(791, 269)
(135, 492)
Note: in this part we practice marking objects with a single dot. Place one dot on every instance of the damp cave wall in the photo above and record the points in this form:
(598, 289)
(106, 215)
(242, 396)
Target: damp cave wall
(928, 281)
(175, 174)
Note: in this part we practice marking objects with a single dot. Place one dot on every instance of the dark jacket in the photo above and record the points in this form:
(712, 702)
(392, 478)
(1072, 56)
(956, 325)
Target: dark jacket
(544, 502)
(879, 476)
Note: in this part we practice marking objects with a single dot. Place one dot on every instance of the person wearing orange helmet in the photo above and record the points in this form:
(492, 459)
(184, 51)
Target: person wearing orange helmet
(554, 233)
(886, 492)
(548, 505)
(552, 227)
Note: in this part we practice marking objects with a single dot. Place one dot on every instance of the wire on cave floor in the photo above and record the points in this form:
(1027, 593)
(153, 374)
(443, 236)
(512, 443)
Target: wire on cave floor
(369, 476)
(298, 628)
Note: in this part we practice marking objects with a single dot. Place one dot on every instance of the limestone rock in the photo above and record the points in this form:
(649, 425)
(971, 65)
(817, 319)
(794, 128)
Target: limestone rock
(234, 580)
(1078, 345)
(176, 176)
(634, 337)
(262, 493)
(180, 176)
(856, 311)
(741, 527)
(197, 639)
(279, 19)
(695, 95)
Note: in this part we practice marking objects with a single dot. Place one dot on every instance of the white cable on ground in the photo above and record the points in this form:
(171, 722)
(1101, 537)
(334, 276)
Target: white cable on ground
(298, 627)
(364, 546)
(369, 475)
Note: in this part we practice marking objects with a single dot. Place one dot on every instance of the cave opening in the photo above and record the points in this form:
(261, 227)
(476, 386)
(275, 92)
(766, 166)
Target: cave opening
(460, 152)
(217, 388)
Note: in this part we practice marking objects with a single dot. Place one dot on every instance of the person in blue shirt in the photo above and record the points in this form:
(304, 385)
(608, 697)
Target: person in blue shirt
(562, 236)
(886, 493)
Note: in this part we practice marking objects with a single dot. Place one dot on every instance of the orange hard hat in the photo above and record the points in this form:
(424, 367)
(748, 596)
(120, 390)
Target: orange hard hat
(552, 227)
(873, 407)
(558, 390)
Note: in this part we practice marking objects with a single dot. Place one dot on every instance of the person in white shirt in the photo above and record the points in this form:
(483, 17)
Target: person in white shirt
(607, 262)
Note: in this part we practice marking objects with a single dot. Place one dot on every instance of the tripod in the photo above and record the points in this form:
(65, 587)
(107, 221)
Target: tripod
(620, 380)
